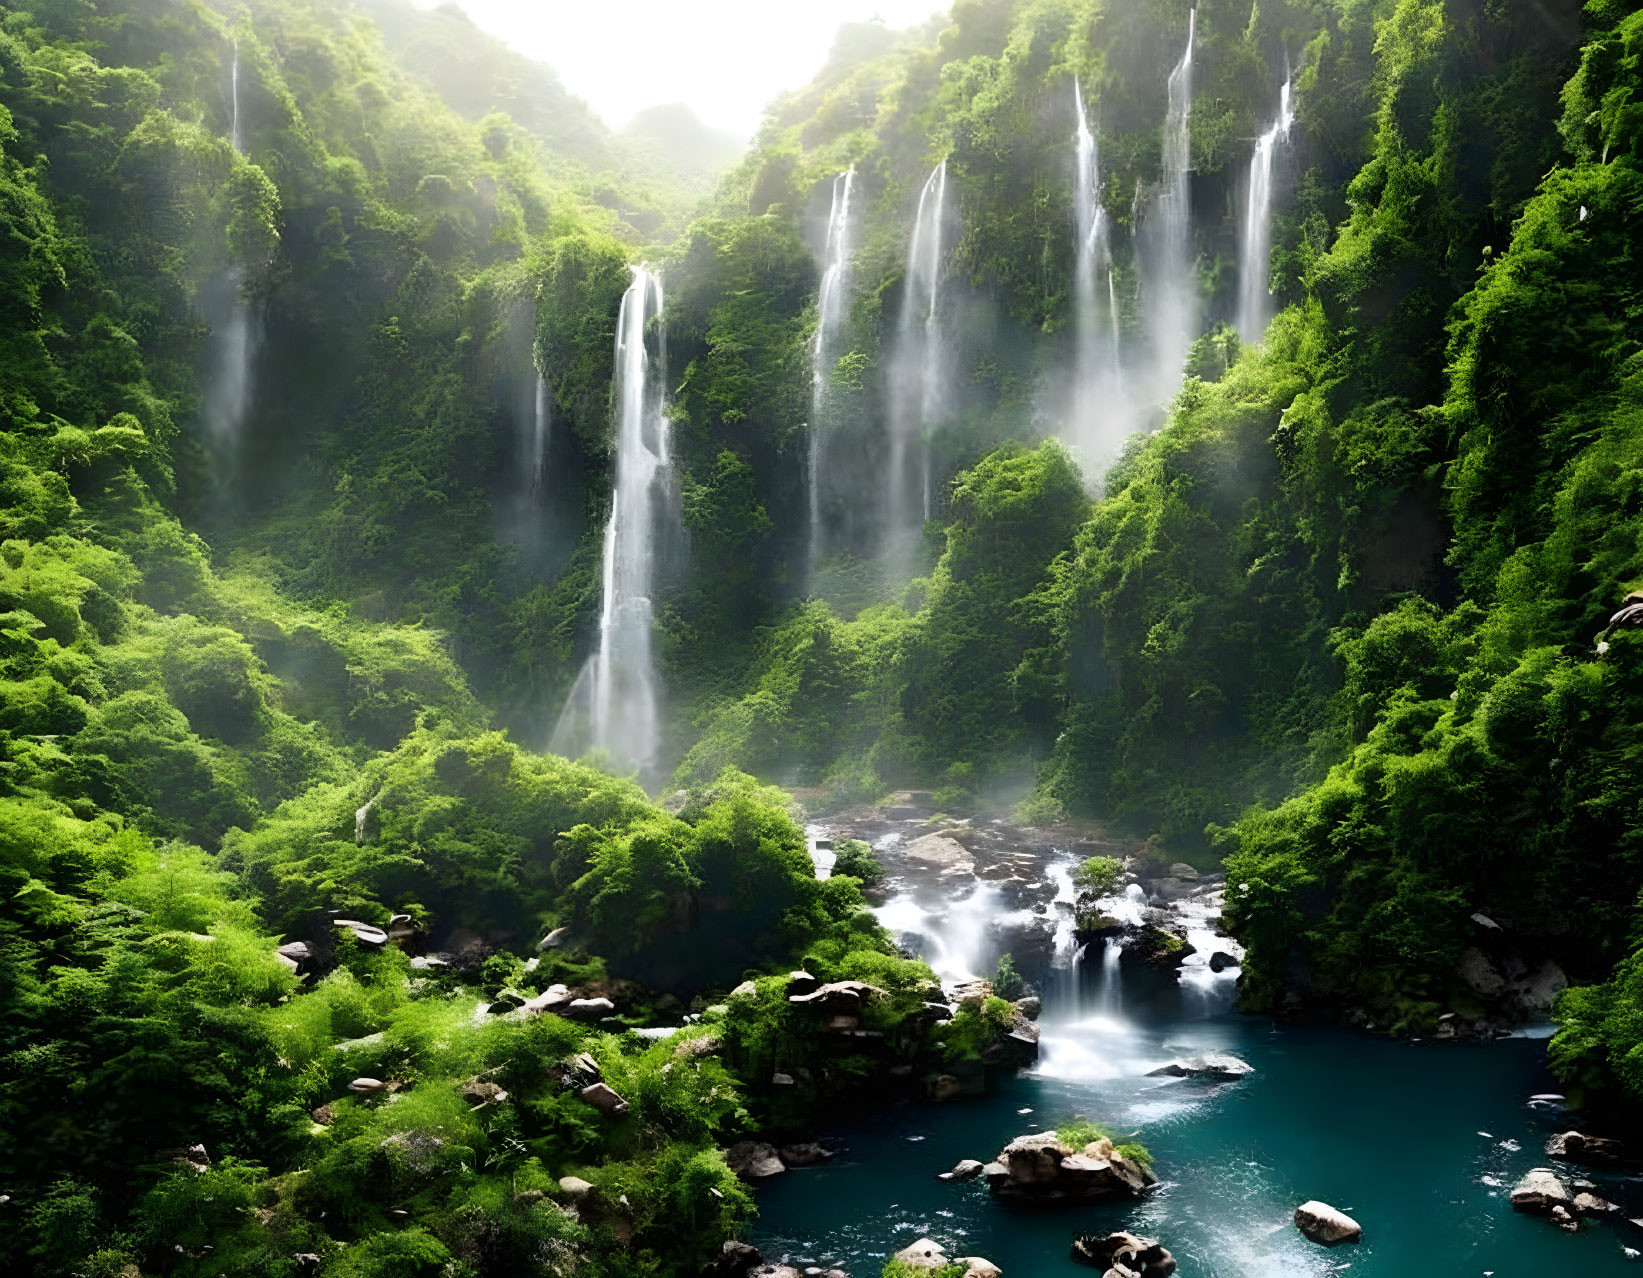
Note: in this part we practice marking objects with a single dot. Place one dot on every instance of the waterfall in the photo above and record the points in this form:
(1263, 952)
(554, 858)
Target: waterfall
(832, 308)
(1170, 286)
(536, 448)
(1255, 244)
(1098, 416)
(920, 373)
(226, 387)
(1109, 998)
(614, 705)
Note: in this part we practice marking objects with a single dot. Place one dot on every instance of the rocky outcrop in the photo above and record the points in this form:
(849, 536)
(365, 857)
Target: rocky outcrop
(1327, 1225)
(1516, 989)
(948, 855)
(754, 1160)
(1216, 1066)
(926, 1253)
(1577, 1147)
(1124, 1255)
(1040, 1169)
(1540, 1192)
(1159, 947)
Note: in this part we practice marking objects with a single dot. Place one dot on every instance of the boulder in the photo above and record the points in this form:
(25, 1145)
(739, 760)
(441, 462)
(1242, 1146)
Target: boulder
(754, 1160)
(554, 940)
(1325, 1224)
(324, 1115)
(480, 1094)
(802, 982)
(964, 1169)
(1539, 1192)
(838, 997)
(1221, 960)
(1565, 1219)
(588, 1009)
(1577, 1147)
(604, 1098)
(1124, 1255)
(923, 1254)
(804, 1154)
(1181, 870)
(1030, 1007)
(1590, 1204)
(364, 933)
(1040, 1169)
(367, 1086)
(553, 999)
(994, 1173)
(938, 850)
(575, 1188)
(1215, 1065)
(968, 993)
(734, 1260)
(977, 1267)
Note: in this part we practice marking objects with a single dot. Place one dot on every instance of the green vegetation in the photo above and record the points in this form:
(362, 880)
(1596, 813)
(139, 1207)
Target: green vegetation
(1098, 876)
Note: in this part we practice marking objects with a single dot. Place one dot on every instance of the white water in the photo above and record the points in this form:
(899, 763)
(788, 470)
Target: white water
(1099, 419)
(1169, 289)
(955, 937)
(614, 706)
(832, 309)
(226, 389)
(1255, 242)
(536, 447)
(921, 363)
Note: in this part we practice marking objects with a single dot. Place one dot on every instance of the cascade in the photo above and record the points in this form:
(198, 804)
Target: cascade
(921, 362)
(1169, 285)
(536, 444)
(1096, 376)
(614, 705)
(1255, 243)
(226, 392)
(832, 308)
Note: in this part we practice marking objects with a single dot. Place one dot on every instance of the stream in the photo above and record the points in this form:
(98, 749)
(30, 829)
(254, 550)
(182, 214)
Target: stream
(1420, 1142)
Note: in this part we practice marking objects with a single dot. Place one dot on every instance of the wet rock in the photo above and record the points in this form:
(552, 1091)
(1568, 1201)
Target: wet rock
(588, 1009)
(804, 1154)
(365, 933)
(1217, 1066)
(1325, 1224)
(603, 1097)
(367, 1086)
(947, 855)
(754, 1160)
(1577, 1147)
(923, 1254)
(1221, 960)
(1124, 1255)
(964, 1169)
(1030, 1007)
(1040, 1169)
(1539, 1192)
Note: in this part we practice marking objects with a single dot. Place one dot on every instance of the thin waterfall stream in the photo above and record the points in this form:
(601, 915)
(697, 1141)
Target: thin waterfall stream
(832, 312)
(225, 397)
(1255, 240)
(921, 371)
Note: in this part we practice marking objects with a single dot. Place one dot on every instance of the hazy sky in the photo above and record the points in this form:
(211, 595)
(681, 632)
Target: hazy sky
(725, 58)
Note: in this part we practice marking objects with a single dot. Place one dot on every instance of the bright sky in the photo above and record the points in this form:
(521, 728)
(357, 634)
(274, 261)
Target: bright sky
(725, 58)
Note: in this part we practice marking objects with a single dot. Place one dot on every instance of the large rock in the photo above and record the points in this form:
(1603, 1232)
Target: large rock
(964, 1169)
(735, 1260)
(926, 1253)
(1325, 1224)
(553, 999)
(1214, 1065)
(588, 1009)
(1539, 1192)
(1040, 1169)
(754, 1160)
(938, 850)
(979, 1267)
(575, 1188)
(804, 1154)
(1577, 1147)
(603, 1097)
(838, 997)
(1124, 1255)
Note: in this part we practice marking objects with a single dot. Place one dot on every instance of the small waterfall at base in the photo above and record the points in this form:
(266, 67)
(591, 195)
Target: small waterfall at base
(1255, 243)
(919, 394)
(1169, 283)
(832, 308)
(1109, 997)
(614, 706)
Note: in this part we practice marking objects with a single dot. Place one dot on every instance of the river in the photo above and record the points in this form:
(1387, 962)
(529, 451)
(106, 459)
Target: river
(1421, 1143)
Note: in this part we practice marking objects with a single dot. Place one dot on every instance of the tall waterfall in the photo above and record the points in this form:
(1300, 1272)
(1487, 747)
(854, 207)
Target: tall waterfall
(536, 444)
(1255, 244)
(226, 387)
(614, 704)
(921, 365)
(1098, 418)
(832, 309)
(1170, 286)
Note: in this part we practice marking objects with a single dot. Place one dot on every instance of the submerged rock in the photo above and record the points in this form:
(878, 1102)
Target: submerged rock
(1325, 1224)
(1217, 1066)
